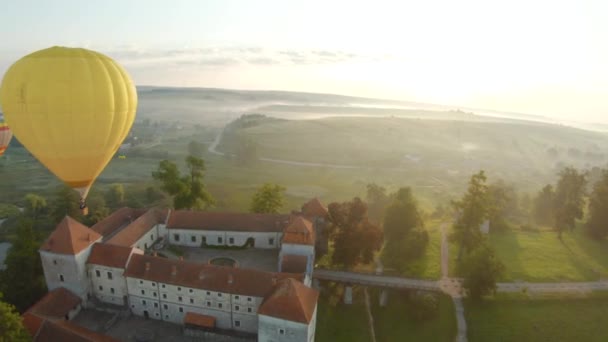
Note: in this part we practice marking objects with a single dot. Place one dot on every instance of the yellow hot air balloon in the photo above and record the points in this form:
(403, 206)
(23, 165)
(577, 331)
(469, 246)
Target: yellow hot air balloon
(5, 136)
(71, 108)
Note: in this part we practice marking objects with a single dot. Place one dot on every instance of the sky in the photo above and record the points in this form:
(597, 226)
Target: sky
(544, 57)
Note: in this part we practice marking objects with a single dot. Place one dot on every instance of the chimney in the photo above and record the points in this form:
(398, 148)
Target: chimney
(173, 270)
(230, 279)
(147, 266)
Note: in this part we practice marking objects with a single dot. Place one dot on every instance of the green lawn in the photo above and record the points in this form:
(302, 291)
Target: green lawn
(337, 322)
(541, 256)
(512, 318)
(392, 323)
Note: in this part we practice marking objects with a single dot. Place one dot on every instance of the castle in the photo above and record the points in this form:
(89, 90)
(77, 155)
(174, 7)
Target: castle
(115, 263)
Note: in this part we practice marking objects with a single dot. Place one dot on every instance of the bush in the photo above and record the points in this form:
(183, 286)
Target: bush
(7, 209)
(423, 305)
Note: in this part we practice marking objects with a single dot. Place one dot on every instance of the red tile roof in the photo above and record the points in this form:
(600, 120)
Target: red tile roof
(294, 263)
(110, 255)
(70, 237)
(247, 222)
(199, 320)
(55, 304)
(32, 323)
(118, 219)
(314, 208)
(65, 331)
(129, 235)
(300, 231)
(241, 281)
(291, 300)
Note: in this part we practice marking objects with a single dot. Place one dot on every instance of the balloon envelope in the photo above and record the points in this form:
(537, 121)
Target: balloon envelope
(5, 137)
(71, 108)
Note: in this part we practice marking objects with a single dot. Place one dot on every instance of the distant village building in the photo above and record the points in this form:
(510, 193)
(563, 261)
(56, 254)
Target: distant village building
(110, 262)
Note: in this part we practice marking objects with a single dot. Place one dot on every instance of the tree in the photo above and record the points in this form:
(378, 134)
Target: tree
(65, 202)
(97, 209)
(196, 149)
(188, 191)
(404, 233)
(34, 205)
(569, 199)
(544, 206)
(472, 210)
(11, 325)
(115, 196)
(22, 281)
(502, 204)
(377, 201)
(269, 198)
(597, 223)
(355, 237)
(481, 271)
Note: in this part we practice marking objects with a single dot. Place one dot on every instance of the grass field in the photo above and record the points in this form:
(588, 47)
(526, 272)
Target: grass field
(339, 322)
(542, 257)
(513, 318)
(392, 323)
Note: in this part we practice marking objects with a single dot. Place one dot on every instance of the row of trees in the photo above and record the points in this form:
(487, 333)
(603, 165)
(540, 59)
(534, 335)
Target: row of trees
(560, 206)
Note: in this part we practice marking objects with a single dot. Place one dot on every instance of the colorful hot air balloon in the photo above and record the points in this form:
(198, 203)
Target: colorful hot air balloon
(5, 136)
(71, 108)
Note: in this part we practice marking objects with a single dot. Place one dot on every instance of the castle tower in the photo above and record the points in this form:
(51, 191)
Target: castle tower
(64, 255)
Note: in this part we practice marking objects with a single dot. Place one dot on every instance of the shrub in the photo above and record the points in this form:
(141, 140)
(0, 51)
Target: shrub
(423, 305)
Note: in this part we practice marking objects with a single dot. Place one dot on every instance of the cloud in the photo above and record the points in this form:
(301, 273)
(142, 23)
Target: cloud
(134, 56)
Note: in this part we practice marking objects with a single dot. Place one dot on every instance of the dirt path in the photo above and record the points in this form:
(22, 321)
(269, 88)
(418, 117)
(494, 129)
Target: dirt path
(370, 318)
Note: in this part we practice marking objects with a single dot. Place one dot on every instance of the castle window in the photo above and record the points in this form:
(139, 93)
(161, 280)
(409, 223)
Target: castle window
(153, 284)
(100, 288)
(179, 289)
(219, 239)
(271, 241)
(208, 303)
(181, 309)
(143, 292)
(166, 316)
(249, 310)
(146, 245)
(176, 237)
(152, 237)
(156, 305)
(141, 282)
(61, 277)
(179, 298)
(191, 301)
(156, 314)
(111, 290)
(208, 293)
(163, 286)
(237, 323)
(236, 297)
(54, 262)
(219, 294)
(219, 305)
(193, 238)
(204, 239)
(249, 299)
(191, 290)
(231, 240)
(165, 307)
(236, 308)
(143, 302)
(97, 273)
(110, 275)
(154, 294)
(281, 331)
(164, 296)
